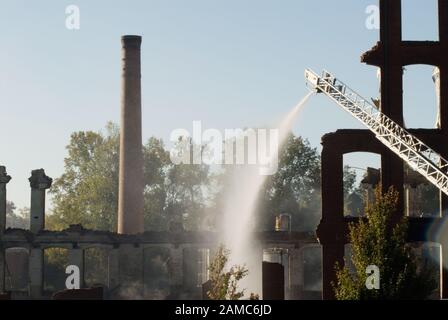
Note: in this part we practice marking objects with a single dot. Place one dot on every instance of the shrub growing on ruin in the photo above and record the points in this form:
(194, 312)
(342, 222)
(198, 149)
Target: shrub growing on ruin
(378, 241)
(224, 284)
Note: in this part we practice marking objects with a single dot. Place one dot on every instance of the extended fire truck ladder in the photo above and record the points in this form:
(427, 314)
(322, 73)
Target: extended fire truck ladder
(417, 155)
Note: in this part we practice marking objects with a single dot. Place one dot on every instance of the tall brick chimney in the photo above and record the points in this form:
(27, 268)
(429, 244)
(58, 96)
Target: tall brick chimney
(130, 197)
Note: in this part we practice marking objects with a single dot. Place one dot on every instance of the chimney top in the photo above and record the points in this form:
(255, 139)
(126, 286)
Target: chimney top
(131, 40)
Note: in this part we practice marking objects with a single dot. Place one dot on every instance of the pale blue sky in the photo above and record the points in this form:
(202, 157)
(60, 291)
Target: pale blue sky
(230, 64)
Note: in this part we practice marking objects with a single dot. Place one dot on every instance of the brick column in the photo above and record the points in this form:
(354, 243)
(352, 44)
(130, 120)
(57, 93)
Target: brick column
(130, 199)
(131, 271)
(76, 257)
(39, 182)
(114, 268)
(176, 269)
(4, 179)
(331, 230)
(36, 272)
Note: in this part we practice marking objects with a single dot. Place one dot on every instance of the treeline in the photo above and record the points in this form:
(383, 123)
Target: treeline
(191, 194)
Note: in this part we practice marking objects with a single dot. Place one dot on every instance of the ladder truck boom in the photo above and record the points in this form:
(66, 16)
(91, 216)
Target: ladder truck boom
(413, 151)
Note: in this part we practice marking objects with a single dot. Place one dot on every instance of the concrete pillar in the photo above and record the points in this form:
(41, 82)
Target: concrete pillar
(176, 269)
(131, 271)
(130, 199)
(436, 79)
(411, 201)
(255, 267)
(2, 268)
(36, 272)
(296, 274)
(114, 269)
(76, 258)
(39, 182)
(4, 179)
(190, 268)
(286, 262)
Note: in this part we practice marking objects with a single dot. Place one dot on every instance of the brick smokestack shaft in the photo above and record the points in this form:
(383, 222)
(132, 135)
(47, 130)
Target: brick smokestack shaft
(130, 197)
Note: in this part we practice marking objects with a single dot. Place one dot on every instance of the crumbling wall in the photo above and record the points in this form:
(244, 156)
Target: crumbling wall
(390, 54)
(126, 264)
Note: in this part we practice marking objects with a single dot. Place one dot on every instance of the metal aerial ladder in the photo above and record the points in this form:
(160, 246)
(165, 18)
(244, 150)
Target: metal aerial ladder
(417, 155)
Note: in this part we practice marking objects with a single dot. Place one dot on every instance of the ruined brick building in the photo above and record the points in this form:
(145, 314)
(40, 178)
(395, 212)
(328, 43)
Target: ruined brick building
(391, 54)
(185, 253)
(138, 263)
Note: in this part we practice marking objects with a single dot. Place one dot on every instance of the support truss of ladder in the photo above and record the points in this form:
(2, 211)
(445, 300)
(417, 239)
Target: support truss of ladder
(418, 155)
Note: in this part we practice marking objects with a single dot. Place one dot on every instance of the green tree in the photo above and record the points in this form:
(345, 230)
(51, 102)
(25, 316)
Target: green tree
(294, 188)
(17, 218)
(156, 163)
(87, 191)
(224, 284)
(378, 241)
(10, 208)
(349, 178)
(353, 195)
(173, 193)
